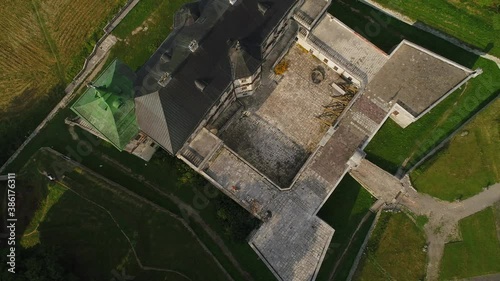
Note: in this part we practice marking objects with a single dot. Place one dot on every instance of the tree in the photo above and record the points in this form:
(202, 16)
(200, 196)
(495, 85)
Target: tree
(36, 264)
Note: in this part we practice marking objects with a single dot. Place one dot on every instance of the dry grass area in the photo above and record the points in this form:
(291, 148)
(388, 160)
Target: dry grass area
(44, 44)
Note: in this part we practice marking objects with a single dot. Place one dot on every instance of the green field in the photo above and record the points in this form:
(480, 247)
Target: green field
(479, 251)
(344, 211)
(393, 145)
(469, 163)
(475, 22)
(100, 227)
(394, 251)
(44, 45)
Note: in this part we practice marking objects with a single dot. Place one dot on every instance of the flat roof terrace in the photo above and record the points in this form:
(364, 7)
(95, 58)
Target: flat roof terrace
(311, 10)
(416, 78)
(347, 48)
(278, 127)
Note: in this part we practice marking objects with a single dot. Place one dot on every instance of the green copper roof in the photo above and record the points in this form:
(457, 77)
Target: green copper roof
(108, 105)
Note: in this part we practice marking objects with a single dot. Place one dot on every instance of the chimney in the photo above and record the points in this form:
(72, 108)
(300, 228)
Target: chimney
(193, 46)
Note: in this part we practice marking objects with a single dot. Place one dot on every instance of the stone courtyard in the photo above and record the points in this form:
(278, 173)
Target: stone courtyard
(277, 128)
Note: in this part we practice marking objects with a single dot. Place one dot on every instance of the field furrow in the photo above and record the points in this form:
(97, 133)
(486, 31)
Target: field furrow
(40, 39)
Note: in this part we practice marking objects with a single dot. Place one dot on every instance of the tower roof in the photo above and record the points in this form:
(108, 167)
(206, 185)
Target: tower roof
(108, 105)
(242, 63)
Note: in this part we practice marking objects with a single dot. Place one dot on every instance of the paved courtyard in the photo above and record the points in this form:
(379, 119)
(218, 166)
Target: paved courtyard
(278, 127)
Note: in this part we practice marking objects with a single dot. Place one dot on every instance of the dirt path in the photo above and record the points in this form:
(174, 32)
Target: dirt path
(442, 226)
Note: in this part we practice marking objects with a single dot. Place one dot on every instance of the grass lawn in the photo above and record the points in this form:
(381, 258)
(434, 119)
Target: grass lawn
(394, 251)
(469, 163)
(479, 251)
(80, 206)
(474, 22)
(344, 210)
(393, 145)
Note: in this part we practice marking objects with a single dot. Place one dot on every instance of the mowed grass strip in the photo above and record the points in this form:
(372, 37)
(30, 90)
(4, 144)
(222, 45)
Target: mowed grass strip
(475, 22)
(343, 211)
(393, 146)
(479, 251)
(91, 218)
(394, 251)
(469, 163)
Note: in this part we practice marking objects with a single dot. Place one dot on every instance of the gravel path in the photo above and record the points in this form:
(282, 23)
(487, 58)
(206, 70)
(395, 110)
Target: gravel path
(442, 226)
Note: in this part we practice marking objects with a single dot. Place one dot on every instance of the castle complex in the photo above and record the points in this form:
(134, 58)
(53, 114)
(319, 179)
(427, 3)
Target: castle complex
(272, 102)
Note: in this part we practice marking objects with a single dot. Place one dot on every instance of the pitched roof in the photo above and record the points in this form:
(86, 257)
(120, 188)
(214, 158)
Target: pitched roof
(108, 105)
(198, 51)
(242, 63)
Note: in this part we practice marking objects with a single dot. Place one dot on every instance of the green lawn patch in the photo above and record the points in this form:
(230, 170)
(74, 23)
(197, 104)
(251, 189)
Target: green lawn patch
(31, 236)
(392, 145)
(394, 251)
(479, 251)
(467, 164)
(474, 22)
(344, 210)
(89, 222)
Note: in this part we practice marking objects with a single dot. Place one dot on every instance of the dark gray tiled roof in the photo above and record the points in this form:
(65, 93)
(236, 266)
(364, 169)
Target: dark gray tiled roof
(242, 63)
(183, 105)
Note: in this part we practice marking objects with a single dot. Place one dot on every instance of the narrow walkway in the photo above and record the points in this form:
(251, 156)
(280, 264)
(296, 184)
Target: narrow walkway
(443, 216)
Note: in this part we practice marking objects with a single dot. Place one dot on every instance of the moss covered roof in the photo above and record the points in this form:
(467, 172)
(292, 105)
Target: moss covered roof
(108, 104)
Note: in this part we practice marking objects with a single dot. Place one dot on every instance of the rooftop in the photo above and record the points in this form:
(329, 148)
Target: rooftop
(108, 105)
(416, 78)
(292, 241)
(198, 50)
(310, 11)
(359, 57)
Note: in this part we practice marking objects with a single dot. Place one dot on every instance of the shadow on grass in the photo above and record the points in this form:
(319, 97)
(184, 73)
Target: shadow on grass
(344, 210)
